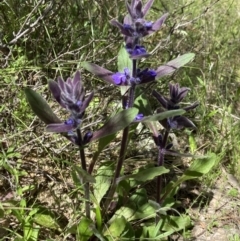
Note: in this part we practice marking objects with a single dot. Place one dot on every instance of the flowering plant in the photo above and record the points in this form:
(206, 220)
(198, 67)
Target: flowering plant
(111, 205)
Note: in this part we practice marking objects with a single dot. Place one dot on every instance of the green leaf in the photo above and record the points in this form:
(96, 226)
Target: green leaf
(200, 167)
(84, 231)
(103, 142)
(116, 228)
(103, 180)
(83, 175)
(97, 233)
(136, 208)
(46, 219)
(30, 232)
(192, 144)
(142, 103)
(145, 175)
(172, 224)
(163, 115)
(120, 228)
(40, 107)
(1, 212)
(165, 227)
(98, 217)
(124, 62)
(121, 120)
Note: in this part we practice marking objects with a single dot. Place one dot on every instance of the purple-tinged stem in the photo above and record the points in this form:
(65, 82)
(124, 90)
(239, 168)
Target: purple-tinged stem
(124, 143)
(118, 168)
(84, 167)
(161, 163)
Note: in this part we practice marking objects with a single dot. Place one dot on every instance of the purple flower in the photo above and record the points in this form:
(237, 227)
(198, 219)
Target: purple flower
(134, 24)
(70, 95)
(122, 78)
(143, 77)
(139, 117)
(146, 75)
(137, 51)
(176, 96)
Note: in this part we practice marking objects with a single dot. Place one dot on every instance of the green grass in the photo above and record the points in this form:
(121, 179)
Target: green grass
(76, 31)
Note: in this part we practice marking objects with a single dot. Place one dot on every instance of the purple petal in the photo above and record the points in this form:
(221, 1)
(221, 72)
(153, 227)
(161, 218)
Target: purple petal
(66, 100)
(179, 122)
(61, 84)
(120, 78)
(69, 82)
(148, 25)
(182, 93)
(125, 29)
(87, 137)
(127, 19)
(146, 7)
(56, 92)
(68, 87)
(129, 8)
(76, 78)
(190, 107)
(139, 117)
(140, 56)
(86, 102)
(138, 52)
(174, 89)
(146, 76)
(78, 92)
(133, 4)
(138, 10)
(138, 49)
(161, 99)
(58, 128)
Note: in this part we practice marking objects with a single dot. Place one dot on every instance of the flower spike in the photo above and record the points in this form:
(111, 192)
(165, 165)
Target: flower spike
(70, 95)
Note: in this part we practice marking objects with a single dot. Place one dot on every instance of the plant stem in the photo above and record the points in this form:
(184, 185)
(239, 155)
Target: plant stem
(84, 167)
(124, 143)
(118, 167)
(161, 163)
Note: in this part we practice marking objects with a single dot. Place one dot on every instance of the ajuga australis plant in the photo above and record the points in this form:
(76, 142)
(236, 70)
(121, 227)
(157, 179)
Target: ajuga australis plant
(111, 204)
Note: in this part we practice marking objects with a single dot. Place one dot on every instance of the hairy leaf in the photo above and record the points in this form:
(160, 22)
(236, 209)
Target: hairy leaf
(103, 180)
(124, 61)
(120, 228)
(99, 71)
(121, 120)
(40, 107)
(145, 175)
(84, 232)
(173, 65)
(162, 115)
